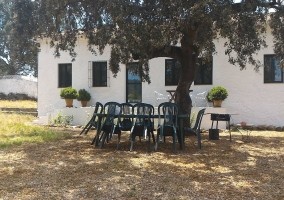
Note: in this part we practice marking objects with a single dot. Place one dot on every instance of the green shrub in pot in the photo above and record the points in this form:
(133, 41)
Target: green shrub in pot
(217, 93)
(68, 93)
(84, 96)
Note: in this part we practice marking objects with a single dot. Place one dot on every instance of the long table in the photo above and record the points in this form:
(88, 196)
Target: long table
(180, 119)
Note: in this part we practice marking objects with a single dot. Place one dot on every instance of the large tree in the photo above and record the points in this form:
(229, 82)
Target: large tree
(145, 29)
(18, 53)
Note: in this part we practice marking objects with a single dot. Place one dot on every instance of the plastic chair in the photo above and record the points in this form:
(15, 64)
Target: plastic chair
(125, 119)
(143, 124)
(201, 97)
(168, 112)
(93, 121)
(160, 96)
(108, 125)
(196, 127)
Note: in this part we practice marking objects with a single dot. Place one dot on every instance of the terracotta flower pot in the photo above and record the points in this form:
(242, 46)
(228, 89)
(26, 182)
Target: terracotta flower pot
(69, 102)
(217, 103)
(84, 103)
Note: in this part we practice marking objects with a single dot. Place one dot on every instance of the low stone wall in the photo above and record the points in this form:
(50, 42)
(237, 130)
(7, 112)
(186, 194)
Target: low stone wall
(26, 111)
(262, 127)
(19, 85)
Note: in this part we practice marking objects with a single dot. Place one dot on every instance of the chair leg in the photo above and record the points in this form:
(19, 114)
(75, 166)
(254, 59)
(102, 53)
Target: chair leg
(105, 136)
(118, 141)
(199, 139)
(175, 143)
(132, 142)
(149, 144)
(90, 126)
(96, 140)
(153, 137)
(157, 142)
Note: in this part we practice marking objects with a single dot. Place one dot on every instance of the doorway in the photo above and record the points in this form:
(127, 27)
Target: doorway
(133, 84)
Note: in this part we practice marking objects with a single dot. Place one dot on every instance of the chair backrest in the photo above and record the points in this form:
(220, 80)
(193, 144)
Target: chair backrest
(201, 96)
(168, 113)
(98, 109)
(198, 119)
(110, 108)
(160, 95)
(143, 114)
(124, 121)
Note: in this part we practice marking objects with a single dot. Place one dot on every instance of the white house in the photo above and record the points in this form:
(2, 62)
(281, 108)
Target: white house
(255, 97)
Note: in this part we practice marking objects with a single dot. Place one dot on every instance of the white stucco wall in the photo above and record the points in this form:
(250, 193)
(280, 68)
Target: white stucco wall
(19, 84)
(252, 100)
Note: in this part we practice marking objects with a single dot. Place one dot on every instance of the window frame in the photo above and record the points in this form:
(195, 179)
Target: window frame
(101, 72)
(128, 100)
(202, 70)
(64, 74)
(173, 82)
(271, 75)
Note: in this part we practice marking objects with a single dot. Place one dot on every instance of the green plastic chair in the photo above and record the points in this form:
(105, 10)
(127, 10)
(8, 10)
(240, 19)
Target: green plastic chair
(167, 123)
(143, 124)
(196, 127)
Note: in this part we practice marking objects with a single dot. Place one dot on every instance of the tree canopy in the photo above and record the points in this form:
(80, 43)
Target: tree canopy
(144, 29)
(18, 55)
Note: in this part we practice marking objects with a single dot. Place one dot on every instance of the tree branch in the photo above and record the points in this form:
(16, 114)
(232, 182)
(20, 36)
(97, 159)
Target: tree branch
(172, 52)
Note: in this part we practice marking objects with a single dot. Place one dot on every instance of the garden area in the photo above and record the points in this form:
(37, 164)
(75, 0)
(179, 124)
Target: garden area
(57, 163)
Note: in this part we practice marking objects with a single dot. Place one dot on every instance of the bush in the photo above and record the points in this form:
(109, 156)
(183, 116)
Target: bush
(68, 93)
(217, 93)
(83, 95)
(16, 96)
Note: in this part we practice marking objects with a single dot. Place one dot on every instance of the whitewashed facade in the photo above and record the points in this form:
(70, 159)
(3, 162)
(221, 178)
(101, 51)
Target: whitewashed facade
(254, 101)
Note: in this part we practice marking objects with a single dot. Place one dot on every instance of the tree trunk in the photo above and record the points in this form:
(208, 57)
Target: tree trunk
(188, 70)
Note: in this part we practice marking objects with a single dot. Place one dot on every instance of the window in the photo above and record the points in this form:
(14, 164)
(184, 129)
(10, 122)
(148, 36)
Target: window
(133, 84)
(64, 75)
(173, 70)
(100, 74)
(272, 73)
(204, 73)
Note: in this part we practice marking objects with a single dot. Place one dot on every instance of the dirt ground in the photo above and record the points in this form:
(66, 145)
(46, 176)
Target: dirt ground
(246, 168)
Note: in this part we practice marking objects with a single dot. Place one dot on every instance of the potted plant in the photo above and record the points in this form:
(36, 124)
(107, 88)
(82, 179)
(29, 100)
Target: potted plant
(84, 96)
(68, 94)
(216, 95)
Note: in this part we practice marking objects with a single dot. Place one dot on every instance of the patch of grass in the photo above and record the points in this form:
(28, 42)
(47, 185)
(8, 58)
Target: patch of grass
(18, 104)
(18, 129)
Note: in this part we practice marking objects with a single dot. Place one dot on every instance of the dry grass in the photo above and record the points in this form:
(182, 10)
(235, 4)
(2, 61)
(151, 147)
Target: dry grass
(18, 104)
(17, 129)
(73, 169)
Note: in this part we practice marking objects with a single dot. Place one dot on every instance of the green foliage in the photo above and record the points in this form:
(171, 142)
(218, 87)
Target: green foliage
(217, 93)
(61, 120)
(142, 30)
(17, 57)
(68, 93)
(83, 95)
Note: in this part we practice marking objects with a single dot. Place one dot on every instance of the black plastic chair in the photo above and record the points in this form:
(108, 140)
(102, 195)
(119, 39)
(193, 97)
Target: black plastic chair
(125, 120)
(196, 128)
(143, 124)
(93, 121)
(108, 126)
(167, 123)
